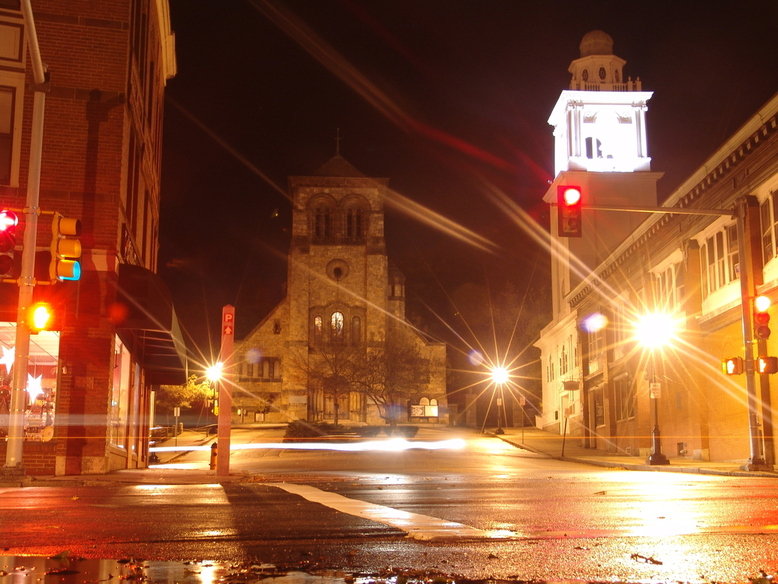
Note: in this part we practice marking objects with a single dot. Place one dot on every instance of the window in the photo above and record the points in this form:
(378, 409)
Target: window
(732, 252)
(120, 395)
(599, 407)
(355, 224)
(356, 330)
(322, 223)
(11, 96)
(625, 395)
(595, 340)
(768, 212)
(593, 148)
(317, 329)
(718, 260)
(563, 361)
(336, 326)
(665, 289)
(7, 95)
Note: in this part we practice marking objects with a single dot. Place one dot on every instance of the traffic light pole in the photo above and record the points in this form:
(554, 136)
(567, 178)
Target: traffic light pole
(15, 443)
(747, 214)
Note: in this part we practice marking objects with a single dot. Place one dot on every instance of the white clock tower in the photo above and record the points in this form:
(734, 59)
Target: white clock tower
(599, 145)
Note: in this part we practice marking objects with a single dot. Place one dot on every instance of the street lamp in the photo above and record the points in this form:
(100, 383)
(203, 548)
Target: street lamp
(654, 331)
(500, 377)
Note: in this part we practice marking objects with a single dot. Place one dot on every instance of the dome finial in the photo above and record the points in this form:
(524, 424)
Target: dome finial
(596, 42)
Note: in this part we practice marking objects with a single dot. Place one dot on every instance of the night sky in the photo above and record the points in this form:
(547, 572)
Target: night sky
(449, 99)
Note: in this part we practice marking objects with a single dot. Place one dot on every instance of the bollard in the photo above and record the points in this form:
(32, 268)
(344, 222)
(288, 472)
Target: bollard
(213, 456)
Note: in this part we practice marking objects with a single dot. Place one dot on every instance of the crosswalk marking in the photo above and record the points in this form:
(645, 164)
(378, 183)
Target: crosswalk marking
(417, 526)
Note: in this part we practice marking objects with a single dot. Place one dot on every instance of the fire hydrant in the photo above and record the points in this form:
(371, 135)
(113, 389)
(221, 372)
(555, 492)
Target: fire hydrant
(213, 456)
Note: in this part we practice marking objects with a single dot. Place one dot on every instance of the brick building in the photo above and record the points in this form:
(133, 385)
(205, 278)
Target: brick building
(601, 384)
(344, 310)
(88, 396)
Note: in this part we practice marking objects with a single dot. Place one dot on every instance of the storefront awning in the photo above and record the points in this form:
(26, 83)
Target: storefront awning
(146, 322)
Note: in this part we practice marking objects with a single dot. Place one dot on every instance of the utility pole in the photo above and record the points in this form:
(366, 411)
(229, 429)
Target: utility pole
(748, 232)
(15, 445)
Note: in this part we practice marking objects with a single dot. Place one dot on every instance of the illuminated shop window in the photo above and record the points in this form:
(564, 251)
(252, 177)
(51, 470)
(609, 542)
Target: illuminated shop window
(118, 413)
(40, 399)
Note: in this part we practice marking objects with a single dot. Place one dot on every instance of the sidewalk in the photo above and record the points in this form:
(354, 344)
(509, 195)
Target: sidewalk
(570, 449)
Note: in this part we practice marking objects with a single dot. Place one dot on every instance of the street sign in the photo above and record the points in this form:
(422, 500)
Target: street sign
(224, 415)
(655, 390)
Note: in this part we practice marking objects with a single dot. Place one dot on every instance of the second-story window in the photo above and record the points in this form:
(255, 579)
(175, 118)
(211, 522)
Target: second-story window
(717, 265)
(768, 212)
(666, 289)
(7, 96)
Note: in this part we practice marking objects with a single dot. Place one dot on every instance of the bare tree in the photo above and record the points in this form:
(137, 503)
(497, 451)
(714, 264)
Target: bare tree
(390, 375)
(332, 366)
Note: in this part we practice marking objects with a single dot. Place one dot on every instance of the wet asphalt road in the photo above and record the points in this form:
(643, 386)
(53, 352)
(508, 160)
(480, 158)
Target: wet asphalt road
(563, 520)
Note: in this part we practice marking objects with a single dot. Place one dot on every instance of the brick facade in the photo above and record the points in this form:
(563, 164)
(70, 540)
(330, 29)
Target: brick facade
(108, 63)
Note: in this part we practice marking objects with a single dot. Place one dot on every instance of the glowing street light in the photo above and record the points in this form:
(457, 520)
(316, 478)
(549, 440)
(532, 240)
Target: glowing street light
(214, 372)
(655, 330)
(500, 377)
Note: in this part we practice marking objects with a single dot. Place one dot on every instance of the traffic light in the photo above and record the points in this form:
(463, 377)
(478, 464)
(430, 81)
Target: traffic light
(8, 222)
(733, 366)
(65, 248)
(39, 317)
(761, 318)
(569, 199)
(767, 365)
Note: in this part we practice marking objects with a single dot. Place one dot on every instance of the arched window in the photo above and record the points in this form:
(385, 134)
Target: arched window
(355, 224)
(322, 223)
(356, 330)
(321, 212)
(317, 329)
(354, 213)
(336, 326)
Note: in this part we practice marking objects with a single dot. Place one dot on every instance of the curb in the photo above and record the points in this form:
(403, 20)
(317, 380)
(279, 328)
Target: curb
(643, 467)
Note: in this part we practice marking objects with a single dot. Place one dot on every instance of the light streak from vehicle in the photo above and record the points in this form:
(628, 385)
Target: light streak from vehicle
(392, 445)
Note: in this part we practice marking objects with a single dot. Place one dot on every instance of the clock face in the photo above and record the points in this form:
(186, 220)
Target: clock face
(602, 73)
(585, 75)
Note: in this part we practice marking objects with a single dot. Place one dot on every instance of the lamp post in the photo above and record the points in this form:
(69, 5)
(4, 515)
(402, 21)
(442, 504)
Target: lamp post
(214, 375)
(655, 331)
(500, 377)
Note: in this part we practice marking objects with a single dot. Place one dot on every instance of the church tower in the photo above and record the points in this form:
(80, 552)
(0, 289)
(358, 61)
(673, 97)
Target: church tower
(600, 145)
(343, 313)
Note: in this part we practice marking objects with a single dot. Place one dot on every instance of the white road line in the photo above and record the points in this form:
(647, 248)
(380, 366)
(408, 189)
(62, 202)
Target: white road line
(421, 527)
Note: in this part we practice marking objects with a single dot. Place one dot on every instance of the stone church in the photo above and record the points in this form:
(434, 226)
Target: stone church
(338, 347)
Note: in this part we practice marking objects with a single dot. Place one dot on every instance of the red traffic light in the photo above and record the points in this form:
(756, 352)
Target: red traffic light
(8, 222)
(571, 195)
(767, 364)
(733, 366)
(761, 317)
(569, 199)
